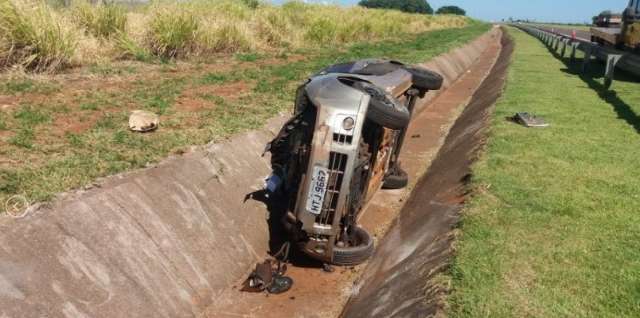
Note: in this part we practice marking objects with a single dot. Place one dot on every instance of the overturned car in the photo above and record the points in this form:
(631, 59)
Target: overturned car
(339, 148)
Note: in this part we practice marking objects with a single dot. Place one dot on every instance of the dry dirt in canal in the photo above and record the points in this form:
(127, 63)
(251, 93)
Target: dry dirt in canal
(319, 294)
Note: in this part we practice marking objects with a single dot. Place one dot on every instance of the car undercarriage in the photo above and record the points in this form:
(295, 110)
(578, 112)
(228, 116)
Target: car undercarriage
(338, 149)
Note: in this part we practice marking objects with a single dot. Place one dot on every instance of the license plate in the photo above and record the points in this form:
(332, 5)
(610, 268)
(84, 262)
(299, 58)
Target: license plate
(315, 197)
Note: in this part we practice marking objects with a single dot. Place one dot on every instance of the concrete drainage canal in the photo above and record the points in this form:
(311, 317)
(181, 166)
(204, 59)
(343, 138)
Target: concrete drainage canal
(399, 281)
(148, 243)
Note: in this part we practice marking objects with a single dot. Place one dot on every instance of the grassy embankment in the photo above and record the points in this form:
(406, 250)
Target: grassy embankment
(59, 132)
(35, 37)
(553, 227)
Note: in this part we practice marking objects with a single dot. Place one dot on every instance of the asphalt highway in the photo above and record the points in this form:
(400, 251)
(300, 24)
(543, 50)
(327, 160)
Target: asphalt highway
(580, 34)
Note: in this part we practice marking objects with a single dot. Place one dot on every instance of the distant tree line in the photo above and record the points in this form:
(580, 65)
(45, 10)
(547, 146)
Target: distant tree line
(451, 10)
(410, 6)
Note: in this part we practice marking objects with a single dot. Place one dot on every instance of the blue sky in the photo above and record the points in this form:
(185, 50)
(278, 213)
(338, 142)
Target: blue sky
(541, 10)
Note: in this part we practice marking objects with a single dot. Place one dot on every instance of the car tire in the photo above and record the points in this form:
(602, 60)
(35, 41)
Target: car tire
(424, 79)
(385, 110)
(354, 255)
(398, 179)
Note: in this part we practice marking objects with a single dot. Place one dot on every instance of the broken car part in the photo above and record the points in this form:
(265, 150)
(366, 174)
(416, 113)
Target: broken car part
(529, 120)
(270, 275)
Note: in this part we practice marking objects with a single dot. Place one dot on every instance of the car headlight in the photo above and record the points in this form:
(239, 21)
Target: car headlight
(348, 123)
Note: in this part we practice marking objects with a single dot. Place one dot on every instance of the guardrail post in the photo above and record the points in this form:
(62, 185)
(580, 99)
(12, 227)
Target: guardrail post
(587, 58)
(612, 61)
(613, 58)
(574, 49)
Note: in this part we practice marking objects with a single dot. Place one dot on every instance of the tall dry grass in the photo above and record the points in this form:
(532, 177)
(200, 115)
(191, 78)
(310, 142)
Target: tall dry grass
(101, 21)
(39, 37)
(172, 31)
(34, 37)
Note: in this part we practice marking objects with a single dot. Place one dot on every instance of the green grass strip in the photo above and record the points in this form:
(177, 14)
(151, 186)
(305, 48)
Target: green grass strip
(553, 229)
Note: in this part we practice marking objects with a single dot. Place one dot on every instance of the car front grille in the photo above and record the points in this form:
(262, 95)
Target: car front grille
(337, 166)
(342, 139)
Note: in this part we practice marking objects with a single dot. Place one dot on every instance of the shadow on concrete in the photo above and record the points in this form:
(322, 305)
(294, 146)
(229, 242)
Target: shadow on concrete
(278, 234)
(591, 77)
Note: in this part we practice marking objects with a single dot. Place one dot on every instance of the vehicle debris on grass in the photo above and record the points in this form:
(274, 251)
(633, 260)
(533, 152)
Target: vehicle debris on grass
(528, 120)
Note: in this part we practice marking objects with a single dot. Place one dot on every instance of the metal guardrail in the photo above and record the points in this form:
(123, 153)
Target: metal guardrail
(613, 58)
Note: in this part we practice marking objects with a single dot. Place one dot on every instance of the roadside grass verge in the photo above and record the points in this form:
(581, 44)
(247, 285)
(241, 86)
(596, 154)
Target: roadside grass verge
(552, 229)
(61, 136)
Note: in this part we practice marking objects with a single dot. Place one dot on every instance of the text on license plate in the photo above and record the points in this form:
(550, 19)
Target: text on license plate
(317, 190)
